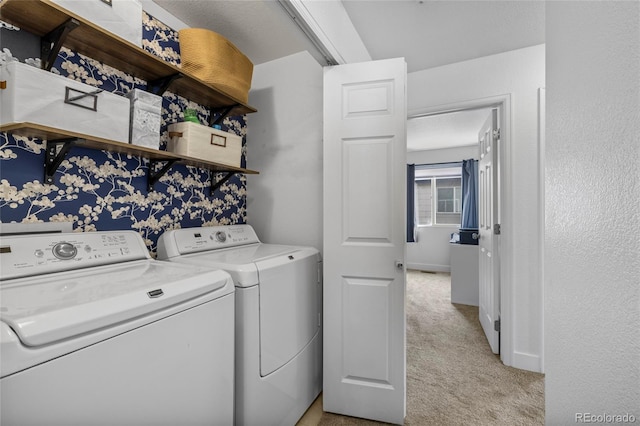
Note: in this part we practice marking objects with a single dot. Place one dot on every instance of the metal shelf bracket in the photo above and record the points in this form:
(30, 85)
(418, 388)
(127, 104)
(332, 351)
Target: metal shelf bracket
(56, 152)
(51, 43)
(224, 112)
(153, 176)
(217, 184)
(160, 85)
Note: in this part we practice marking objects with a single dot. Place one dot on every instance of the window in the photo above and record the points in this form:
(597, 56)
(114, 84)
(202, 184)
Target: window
(438, 195)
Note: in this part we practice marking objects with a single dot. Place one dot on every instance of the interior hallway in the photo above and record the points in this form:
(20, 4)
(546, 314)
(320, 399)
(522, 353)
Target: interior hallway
(453, 378)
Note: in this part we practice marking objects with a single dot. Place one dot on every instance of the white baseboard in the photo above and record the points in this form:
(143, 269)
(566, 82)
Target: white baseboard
(525, 361)
(429, 267)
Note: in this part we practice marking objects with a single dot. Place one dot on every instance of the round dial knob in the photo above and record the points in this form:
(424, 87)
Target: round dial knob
(221, 236)
(64, 251)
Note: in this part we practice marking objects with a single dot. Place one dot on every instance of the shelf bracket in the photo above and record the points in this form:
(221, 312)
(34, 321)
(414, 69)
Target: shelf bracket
(160, 85)
(223, 113)
(51, 43)
(154, 176)
(55, 153)
(217, 184)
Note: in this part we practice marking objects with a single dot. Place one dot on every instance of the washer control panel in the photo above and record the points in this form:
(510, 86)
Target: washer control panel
(191, 240)
(65, 251)
(26, 255)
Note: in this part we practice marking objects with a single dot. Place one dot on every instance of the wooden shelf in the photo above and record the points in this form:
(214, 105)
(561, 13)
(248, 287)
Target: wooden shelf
(40, 17)
(52, 134)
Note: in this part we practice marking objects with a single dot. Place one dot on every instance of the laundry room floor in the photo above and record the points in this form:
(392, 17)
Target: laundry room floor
(453, 378)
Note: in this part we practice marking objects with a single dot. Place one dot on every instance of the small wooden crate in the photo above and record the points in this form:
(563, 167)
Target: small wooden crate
(205, 143)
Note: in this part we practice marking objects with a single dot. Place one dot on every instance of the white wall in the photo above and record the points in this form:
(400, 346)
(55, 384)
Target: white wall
(519, 73)
(592, 249)
(432, 251)
(284, 143)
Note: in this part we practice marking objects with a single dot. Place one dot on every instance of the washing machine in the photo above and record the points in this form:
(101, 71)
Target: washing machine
(278, 317)
(95, 332)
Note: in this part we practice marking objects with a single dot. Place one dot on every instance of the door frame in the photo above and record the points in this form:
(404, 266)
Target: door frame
(505, 206)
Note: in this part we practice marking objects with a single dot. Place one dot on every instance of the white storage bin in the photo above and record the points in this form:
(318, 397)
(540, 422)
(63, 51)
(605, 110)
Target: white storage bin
(205, 143)
(145, 118)
(120, 17)
(40, 97)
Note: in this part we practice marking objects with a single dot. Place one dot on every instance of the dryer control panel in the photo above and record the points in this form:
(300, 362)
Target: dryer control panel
(191, 240)
(27, 255)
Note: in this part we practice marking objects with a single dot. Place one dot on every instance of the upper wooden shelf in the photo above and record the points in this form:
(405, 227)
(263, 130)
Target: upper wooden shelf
(40, 17)
(53, 134)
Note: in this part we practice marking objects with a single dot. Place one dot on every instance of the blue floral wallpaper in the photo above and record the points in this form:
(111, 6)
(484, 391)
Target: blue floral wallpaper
(101, 190)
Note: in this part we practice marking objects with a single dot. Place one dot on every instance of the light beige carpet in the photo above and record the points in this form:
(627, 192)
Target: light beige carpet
(452, 376)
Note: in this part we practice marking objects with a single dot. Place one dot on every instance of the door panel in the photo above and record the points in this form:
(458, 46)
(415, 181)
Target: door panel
(366, 352)
(367, 163)
(364, 237)
(368, 99)
(489, 285)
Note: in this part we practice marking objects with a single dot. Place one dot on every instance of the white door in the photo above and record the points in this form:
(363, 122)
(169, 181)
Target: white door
(364, 239)
(489, 280)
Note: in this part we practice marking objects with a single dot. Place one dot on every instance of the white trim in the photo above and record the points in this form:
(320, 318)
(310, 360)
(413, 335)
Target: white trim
(541, 203)
(504, 103)
(328, 26)
(507, 295)
(527, 361)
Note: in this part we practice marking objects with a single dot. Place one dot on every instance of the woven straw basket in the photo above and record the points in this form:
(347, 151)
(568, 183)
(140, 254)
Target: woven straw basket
(216, 61)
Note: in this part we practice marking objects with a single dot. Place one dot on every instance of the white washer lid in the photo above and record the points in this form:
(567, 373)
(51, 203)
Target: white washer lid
(239, 261)
(52, 307)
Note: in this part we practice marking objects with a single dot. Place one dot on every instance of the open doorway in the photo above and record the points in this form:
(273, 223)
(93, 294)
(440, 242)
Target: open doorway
(443, 139)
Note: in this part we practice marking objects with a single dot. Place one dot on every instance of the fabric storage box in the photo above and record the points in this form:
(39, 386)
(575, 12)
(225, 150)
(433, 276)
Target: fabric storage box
(467, 236)
(145, 118)
(32, 95)
(215, 60)
(205, 143)
(120, 17)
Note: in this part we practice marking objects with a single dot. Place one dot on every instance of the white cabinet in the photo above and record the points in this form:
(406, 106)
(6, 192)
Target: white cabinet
(464, 274)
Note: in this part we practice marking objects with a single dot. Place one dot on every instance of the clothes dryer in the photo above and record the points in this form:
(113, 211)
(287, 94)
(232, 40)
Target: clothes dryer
(278, 317)
(95, 332)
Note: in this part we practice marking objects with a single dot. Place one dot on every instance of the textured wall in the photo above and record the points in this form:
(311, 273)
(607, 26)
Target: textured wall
(592, 254)
(101, 190)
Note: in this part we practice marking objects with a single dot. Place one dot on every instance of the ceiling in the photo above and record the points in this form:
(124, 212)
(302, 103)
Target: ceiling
(427, 33)
(445, 130)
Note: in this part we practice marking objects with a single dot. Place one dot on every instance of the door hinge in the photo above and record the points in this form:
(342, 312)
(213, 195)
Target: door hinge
(496, 325)
(496, 229)
(496, 134)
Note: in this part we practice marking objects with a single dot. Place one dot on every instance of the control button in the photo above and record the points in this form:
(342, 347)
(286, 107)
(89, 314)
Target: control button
(65, 251)
(39, 253)
(221, 236)
(87, 248)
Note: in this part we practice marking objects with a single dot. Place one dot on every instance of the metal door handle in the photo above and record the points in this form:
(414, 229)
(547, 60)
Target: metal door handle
(399, 265)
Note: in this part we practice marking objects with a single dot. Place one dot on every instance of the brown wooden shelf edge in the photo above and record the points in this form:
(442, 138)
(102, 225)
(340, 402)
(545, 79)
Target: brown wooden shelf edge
(40, 17)
(53, 135)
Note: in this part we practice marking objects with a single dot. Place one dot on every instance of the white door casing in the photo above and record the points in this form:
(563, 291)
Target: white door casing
(489, 279)
(364, 240)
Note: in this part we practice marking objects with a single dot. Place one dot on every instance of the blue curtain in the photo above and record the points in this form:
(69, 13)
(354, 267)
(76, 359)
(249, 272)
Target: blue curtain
(469, 194)
(411, 203)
